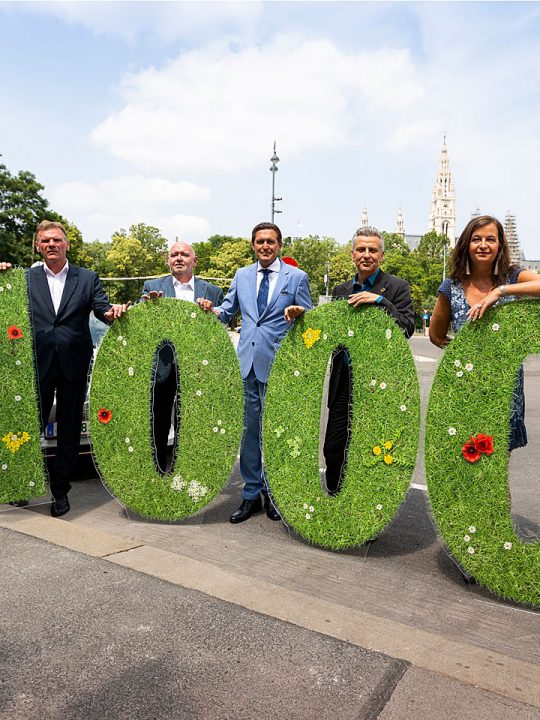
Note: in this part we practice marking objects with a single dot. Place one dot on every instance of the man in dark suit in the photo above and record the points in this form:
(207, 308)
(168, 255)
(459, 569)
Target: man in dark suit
(370, 286)
(270, 294)
(61, 298)
(181, 284)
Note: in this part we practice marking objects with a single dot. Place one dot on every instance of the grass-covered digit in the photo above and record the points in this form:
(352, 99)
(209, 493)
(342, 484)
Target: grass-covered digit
(210, 409)
(467, 433)
(386, 421)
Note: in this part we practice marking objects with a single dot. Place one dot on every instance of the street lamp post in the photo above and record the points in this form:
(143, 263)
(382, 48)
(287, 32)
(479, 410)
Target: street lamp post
(273, 169)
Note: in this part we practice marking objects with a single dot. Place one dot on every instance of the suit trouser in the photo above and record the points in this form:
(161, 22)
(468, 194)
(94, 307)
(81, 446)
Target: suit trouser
(70, 396)
(338, 432)
(163, 401)
(251, 465)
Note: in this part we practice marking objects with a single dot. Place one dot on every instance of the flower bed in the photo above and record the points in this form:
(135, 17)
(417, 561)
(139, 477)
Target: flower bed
(467, 432)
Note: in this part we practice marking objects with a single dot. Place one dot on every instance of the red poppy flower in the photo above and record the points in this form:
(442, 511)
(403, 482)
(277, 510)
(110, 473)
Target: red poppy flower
(469, 451)
(14, 332)
(104, 416)
(483, 443)
(290, 261)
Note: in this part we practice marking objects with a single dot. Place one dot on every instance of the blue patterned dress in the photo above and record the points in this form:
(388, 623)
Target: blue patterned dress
(455, 294)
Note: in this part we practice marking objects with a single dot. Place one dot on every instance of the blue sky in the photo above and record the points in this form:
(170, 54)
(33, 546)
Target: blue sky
(166, 112)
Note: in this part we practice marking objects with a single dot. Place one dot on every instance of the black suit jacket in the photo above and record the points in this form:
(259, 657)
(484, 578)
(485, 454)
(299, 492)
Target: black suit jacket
(396, 301)
(66, 334)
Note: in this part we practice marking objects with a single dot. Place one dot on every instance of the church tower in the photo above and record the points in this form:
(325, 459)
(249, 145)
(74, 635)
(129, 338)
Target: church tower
(513, 240)
(400, 226)
(442, 215)
(365, 221)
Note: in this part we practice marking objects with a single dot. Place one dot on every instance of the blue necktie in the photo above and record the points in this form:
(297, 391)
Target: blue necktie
(262, 296)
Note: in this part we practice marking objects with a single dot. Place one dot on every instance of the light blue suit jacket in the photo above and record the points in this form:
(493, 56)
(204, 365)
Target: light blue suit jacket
(260, 337)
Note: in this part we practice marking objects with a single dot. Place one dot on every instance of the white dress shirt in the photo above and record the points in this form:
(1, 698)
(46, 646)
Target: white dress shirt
(184, 291)
(272, 276)
(56, 283)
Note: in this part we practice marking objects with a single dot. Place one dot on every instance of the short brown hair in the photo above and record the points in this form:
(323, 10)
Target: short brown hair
(48, 225)
(460, 254)
(266, 226)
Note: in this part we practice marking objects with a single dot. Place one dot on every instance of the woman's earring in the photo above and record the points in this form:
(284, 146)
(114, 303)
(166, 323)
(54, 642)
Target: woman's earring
(467, 268)
(496, 268)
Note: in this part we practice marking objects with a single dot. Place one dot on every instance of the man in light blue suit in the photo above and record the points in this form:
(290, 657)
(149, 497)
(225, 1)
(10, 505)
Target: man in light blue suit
(270, 295)
(180, 284)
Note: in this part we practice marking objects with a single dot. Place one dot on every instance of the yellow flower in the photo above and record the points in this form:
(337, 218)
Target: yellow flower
(377, 450)
(13, 441)
(310, 337)
(388, 459)
(388, 445)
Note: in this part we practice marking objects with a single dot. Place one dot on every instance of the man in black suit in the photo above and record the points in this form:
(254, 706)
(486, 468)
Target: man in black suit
(183, 285)
(61, 299)
(370, 286)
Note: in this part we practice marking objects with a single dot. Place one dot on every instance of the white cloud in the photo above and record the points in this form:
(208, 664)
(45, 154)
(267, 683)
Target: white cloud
(166, 21)
(220, 107)
(120, 202)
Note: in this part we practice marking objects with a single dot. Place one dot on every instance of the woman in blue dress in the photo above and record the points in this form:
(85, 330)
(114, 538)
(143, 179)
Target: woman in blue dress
(481, 275)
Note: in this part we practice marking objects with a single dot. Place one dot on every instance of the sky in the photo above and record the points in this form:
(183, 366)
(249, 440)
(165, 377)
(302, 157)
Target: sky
(166, 112)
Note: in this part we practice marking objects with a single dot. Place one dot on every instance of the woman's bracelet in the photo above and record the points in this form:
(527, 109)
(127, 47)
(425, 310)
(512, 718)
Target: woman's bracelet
(502, 290)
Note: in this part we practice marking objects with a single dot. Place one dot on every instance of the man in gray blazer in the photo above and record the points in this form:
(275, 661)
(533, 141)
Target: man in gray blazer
(180, 284)
(270, 295)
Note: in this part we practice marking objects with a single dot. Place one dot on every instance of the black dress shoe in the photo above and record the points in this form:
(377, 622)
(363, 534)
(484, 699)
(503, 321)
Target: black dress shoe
(271, 510)
(18, 503)
(246, 510)
(60, 506)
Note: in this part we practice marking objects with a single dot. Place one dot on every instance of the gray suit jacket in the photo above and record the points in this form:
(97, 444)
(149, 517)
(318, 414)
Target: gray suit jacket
(165, 285)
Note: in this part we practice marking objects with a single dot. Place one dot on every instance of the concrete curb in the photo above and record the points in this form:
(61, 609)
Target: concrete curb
(467, 664)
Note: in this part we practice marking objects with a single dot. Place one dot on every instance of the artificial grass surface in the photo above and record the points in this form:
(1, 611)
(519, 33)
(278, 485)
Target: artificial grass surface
(22, 471)
(386, 409)
(210, 416)
(471, 501)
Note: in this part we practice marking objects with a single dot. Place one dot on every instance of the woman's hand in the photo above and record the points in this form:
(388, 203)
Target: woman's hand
(477, 311)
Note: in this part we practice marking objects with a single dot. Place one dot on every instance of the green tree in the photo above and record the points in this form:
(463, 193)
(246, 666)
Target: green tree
(341, 267)
(207, 249)
(227, 260)
(313, 254)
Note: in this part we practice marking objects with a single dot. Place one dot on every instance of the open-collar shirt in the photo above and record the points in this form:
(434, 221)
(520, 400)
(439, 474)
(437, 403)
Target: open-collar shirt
(56, 282)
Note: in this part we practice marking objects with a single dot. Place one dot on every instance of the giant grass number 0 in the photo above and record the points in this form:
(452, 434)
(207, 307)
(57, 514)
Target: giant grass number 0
(210, 417)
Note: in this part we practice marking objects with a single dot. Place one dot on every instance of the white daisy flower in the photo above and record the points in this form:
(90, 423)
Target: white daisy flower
(457, 363)
(296, 373)
(469, 367)
(193, 315)
(311, 508)
(215, 429)
(222, 431)
(467, 538)
(472, 529)
(124, 343)
(507, 545)
(388, 334)
(1, 289)
(378, 507)
(470, 550)
(373, 383)
(18, 398)
(32, 483)
(128, 441)
(306, 506)
(459, 373)
(198, 393)
(4, 466)
(383, 386)
(495, 327)
(8, 286)
(403, 408)
(120, 338)
(130, 449)
(351, 333)
(308, 516)
(18, 362)
(452, 431)
(131, 371)
(325, 336)
(219, 422)
(205, 362)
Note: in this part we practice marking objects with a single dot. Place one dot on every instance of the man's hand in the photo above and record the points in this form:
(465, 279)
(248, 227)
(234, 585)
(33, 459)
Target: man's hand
(292, 312)
(116, 312)
(5, 266)
(207, 306)
(152, 295)
(363, 298)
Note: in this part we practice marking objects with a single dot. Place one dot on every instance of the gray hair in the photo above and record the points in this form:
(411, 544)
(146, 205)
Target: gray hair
(368, 231)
